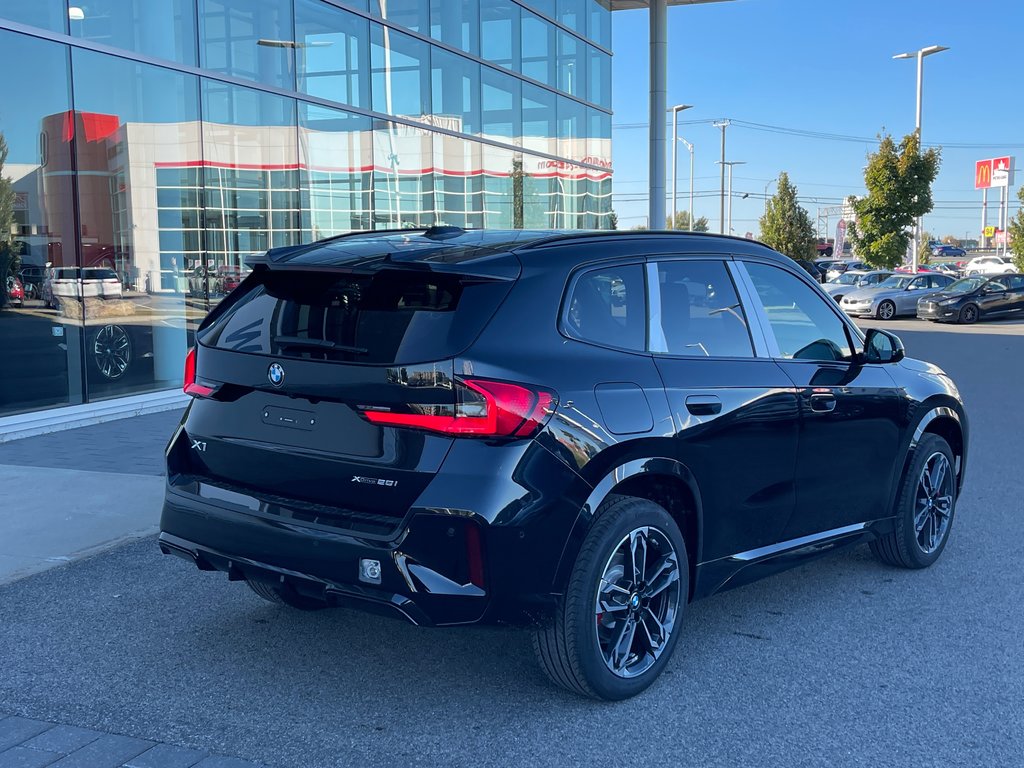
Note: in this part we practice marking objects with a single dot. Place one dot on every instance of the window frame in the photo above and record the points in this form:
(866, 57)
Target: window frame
(565, 329)
(855, 337)
(758, 345)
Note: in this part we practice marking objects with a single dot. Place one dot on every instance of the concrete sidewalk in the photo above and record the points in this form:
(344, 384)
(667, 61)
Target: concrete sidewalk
(73, 493)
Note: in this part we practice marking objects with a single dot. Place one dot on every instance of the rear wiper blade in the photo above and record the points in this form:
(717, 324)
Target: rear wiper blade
(325, 344)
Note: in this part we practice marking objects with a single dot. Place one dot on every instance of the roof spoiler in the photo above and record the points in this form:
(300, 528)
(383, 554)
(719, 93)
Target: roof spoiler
(435, 232)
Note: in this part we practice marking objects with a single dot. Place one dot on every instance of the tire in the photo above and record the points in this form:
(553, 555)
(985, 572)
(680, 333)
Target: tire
(968, 315)
(571, 649)
(907, 546)
(285, 596)
(886, 310)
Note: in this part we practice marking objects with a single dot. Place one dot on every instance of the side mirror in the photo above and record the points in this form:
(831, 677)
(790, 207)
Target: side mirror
(882, 347)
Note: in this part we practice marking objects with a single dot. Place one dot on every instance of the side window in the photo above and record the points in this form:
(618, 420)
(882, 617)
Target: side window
(608, 306)
(695, 311)
(1016, 283)
(804, 326)
(918, 283)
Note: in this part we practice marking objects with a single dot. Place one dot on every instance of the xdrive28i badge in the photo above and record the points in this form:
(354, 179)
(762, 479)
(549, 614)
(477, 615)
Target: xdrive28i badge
(276, 374)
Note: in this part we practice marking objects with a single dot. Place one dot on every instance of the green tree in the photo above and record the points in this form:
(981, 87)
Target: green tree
(10, 250)
(1016, 234)
(786, 225)
(613, 220)
(899, 181)
(700, 224)
(518, 196)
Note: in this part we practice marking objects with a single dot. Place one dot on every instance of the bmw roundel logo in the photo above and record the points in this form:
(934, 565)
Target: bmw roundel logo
(276, 374)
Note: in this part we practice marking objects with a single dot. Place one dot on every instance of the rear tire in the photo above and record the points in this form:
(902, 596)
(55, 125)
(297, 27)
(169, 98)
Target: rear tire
(615, 648)
(283, 595)
(923, 518)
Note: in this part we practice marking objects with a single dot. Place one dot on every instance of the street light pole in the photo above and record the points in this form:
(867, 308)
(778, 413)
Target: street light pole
(675, 141)
(919, 55)
(773, 181)
(731, 163)
(721, 196)
(689, 147)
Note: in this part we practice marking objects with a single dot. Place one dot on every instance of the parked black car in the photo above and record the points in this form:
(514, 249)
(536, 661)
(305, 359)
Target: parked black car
(582, 431)
(975, 298)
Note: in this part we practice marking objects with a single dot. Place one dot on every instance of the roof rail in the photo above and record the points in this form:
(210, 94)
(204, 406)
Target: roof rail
(563, 237)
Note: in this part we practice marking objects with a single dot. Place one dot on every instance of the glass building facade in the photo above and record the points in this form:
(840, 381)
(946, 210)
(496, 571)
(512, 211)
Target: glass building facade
(150, 146)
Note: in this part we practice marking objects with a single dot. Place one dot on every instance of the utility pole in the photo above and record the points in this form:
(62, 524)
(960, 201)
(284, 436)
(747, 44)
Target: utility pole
(731, 163)
(675, 146)
(723, 124)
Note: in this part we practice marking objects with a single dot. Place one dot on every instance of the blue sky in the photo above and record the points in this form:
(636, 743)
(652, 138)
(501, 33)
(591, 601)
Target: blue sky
(824, 66)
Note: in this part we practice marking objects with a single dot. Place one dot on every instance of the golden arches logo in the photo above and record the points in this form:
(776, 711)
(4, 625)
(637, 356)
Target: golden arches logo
(983, 174)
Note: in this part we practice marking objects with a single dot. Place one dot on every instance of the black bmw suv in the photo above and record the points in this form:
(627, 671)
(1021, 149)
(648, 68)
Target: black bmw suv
(580, 431)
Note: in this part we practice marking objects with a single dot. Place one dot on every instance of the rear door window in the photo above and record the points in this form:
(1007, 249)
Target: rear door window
(608, 306)
(698, 312)
(390, 317)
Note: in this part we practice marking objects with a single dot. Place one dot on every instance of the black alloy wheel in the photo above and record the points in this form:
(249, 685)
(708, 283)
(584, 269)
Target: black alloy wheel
(924, 509)
(969, 314)
(618, 623)
(112, 352)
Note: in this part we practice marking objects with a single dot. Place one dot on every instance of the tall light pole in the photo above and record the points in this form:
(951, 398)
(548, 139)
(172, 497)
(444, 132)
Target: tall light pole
(723, 124)
(919, 55)
(675, 141)
(773, 181)
(689, 147)
(731, 163)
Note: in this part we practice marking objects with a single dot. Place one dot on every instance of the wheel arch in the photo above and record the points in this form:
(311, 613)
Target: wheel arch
(948, 422)
(665, 481)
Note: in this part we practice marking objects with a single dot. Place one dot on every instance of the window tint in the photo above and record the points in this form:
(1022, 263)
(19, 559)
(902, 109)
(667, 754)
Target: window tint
(805, 327)
(1016, 283)
(608, 307)
(698, 312)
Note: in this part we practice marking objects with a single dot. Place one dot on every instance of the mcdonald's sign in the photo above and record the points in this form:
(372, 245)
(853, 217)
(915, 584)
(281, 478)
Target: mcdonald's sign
(983, 174)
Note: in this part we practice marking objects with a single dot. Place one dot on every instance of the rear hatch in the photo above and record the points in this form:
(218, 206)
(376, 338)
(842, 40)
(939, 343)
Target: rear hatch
(330, 385)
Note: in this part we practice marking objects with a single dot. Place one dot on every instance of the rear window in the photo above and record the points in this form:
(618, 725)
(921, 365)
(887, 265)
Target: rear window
(608, 306)
(390, 317)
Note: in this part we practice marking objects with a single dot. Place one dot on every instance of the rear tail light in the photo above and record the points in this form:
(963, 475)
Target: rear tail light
(483, 408)
(190, 386)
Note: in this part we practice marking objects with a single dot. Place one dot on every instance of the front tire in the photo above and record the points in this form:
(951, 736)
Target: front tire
(968, 315)
(886, 310)
(925, 508)
(618, 623)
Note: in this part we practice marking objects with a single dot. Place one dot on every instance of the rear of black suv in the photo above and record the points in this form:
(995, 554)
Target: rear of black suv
(342, 447)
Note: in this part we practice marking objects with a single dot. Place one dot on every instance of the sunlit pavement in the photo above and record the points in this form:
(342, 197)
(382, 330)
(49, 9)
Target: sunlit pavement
(841, 662)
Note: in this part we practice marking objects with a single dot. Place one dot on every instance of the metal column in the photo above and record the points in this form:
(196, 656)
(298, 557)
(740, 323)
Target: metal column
(658, 107)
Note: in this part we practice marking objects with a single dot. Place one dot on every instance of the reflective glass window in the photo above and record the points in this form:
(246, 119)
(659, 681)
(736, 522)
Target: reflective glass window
(696, 312)
(539, 119)
(48, 14)
(599, 23)
(411, 14)
(572, 65)
(252, 39)
(547, 7)
(599, 138)
(502, 188)
(336, 150)
(608, 306)
(164, 29)
(572, 136)
(333, 53)
(500, 99)
(573, 14)
(41, 337)
(400, 73)
(457, 23)
(541, 187)
(458, 182)
(455, 91)
(250, 174)
(500, 30)
(131, 120)
(538, 49)
(599, 77)
(403, 176)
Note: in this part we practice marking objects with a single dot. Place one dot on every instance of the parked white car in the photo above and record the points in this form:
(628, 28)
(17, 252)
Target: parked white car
(989, 265)
(75, 283)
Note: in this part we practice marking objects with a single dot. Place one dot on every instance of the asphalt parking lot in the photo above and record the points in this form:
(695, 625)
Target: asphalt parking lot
(841, 662)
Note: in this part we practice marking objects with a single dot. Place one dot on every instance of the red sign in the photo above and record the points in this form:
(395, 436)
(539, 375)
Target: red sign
(983, 174)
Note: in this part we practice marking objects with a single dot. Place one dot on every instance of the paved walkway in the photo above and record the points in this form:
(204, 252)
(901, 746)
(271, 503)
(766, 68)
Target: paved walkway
(74, 493)
(27, 743)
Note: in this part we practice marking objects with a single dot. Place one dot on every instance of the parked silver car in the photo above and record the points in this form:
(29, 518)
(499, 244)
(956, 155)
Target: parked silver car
(897, 295)
(853, 279)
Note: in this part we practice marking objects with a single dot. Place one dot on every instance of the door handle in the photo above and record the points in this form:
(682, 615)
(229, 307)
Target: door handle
(703, 405)
(823, 402)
